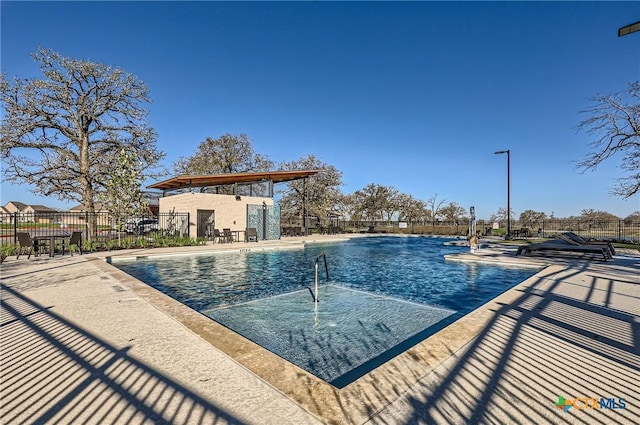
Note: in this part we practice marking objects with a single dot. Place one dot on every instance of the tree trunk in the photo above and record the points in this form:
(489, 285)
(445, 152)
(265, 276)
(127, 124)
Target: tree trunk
(88, 195)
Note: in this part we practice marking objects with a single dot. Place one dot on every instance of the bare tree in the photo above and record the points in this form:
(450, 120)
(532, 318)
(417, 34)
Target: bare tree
(615, 123)
(501, 215)
(60, 133)
(434, 207)
(227, 154)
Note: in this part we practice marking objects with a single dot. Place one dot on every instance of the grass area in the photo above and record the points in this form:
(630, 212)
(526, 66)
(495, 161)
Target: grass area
(626, 246)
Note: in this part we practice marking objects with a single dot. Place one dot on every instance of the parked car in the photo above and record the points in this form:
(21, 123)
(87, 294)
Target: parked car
(141, 226)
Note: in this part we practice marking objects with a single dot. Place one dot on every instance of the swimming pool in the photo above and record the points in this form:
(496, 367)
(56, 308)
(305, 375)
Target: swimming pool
(386, 294)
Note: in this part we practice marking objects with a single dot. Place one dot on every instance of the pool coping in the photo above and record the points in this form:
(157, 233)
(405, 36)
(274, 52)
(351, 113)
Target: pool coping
(369, 394)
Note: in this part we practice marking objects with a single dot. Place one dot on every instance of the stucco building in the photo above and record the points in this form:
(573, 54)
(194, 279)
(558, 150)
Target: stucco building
(236, 211)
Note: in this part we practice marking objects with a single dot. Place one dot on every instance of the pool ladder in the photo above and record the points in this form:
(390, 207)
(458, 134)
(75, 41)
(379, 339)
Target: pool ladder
(326, 269)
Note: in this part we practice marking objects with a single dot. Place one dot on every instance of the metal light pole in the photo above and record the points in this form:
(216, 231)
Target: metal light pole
(508, 152)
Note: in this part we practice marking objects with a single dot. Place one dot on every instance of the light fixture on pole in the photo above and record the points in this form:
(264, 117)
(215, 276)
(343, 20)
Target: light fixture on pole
(264, 221)
(629, 29)
(508, 152)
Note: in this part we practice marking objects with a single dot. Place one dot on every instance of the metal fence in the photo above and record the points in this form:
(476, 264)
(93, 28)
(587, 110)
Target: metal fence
(102, 226)
(614, 230)
(99, 226)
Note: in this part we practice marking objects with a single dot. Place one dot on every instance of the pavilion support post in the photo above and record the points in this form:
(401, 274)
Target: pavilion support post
(304, 206)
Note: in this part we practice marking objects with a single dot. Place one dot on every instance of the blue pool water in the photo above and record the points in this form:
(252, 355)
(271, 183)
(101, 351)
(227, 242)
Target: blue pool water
(387, 293)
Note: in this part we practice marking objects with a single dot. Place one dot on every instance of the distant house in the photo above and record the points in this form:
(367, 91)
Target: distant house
(15, 207)
(79, 218)
(104, 217)
(99, 207)
(39, 209)
(151, 198)
(5, 215)
(29, 213)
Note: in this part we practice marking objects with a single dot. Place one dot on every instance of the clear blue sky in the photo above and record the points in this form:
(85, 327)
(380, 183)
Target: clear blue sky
(416, 95)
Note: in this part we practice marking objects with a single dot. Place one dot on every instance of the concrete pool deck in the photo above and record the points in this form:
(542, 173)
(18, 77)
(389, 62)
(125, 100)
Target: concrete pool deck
(82, 342)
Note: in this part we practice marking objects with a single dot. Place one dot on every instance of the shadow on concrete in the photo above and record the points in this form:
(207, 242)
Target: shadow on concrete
(55, 372)
(546, 343)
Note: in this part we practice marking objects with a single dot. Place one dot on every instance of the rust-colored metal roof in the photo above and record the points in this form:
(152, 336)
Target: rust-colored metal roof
(181, 182)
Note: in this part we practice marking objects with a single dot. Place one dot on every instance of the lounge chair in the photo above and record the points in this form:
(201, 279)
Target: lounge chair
(576, 239)
(26, 245)
(251, 234)
(557, 246)
(227, 236)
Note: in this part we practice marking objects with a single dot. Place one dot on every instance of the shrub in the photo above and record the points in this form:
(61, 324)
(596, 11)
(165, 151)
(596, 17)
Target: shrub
(7, 250)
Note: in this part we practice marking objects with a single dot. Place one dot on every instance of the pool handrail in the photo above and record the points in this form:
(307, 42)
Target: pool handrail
(326, 269)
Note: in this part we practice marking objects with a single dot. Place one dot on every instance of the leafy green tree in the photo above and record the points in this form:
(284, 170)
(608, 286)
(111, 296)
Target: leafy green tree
(227, 154)
(375, 202)
(531, 218)
(596, 218)
(615, 123)
(322, 190)
(59, 133)
(634, 217)
(411, 209)
(122, 194)
(343, 208)
(350, 205)
(452, 212)
(391, 205)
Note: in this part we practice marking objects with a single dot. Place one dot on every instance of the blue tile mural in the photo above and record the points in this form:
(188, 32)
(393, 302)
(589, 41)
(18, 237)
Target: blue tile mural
(259, 217)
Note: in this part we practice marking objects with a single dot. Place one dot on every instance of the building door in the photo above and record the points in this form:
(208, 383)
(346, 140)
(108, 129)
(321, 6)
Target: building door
(206, 223)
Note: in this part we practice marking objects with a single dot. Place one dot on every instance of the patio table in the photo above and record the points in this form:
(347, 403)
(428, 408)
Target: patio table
(51, 238)
(236, 235)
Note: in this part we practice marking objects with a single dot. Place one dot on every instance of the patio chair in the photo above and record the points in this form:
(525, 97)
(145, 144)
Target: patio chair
(26, 245)
(576, 239)
(217, 236)
(75, 239)
(562, 247)
(251, 234)
(227, 236)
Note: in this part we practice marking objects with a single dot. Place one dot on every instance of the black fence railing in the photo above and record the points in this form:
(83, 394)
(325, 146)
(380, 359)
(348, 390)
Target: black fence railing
(614, 230)
(101, 226)
(97, 227)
